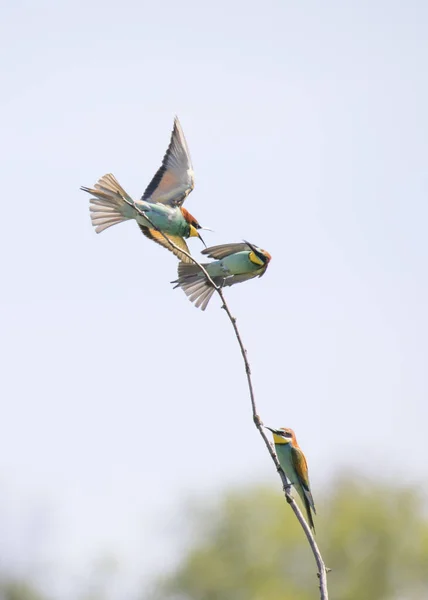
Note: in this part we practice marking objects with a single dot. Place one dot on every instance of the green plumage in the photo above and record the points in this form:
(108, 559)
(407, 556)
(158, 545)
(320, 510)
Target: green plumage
(234, 266)
(161, 202)
(293, 463)
(110, 206)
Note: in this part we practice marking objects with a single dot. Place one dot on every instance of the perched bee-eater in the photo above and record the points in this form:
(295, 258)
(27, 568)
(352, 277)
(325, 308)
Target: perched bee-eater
(294, 465)
(162, 201)
(235, 263)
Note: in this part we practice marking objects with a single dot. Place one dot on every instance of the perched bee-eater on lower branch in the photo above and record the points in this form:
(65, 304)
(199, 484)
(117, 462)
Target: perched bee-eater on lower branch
(235, 263)
(162, 201)
(295, 467)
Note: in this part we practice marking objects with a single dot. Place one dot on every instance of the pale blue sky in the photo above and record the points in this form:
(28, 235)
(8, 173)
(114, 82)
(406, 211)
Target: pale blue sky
(307, 125)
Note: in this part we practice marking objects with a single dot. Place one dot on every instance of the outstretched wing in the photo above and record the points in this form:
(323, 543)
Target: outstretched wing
(233, 279)
(301, 468)
(157, 237)
(174, 180)
(219, 252)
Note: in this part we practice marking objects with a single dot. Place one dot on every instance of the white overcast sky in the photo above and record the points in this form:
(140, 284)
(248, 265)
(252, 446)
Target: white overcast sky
(308, 129)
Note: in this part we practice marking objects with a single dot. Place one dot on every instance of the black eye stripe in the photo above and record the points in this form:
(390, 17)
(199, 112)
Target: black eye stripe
(260, 255)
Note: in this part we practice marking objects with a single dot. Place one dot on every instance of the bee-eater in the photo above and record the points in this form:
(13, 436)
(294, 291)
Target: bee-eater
(294, 465)
(162, 201)
(235, 263)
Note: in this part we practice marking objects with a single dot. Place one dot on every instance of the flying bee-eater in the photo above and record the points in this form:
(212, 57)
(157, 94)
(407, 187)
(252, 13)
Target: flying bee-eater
(162, 201)
(235, 263)
(295, 467)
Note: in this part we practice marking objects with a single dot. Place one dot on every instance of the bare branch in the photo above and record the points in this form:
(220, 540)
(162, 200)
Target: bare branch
(322, 570)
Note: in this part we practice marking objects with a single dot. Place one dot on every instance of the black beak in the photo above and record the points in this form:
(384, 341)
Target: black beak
(200, 237)
(270, 429)
(257, 253)
(252, 248)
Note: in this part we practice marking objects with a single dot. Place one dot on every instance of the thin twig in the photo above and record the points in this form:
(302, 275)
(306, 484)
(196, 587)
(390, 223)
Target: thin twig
(322, 570)
(144, 215)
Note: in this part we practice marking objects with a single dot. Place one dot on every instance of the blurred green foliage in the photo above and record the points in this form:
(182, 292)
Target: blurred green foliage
(18, 590)
(251, 547)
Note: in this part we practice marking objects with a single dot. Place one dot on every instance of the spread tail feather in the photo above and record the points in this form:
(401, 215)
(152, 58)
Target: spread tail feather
(194, 284)
(109, 206)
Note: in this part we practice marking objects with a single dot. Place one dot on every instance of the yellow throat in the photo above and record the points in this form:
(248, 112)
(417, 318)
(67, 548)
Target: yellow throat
(278, 439)
(255, 259)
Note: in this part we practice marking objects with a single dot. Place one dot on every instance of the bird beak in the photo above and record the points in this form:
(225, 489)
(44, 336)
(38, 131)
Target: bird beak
(254, 250)
(265, 258)
(200, 237)
(195, 233)
(265, 426)
(207, 229)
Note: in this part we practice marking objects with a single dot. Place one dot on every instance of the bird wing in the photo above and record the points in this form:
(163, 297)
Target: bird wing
(223, 250)
(243, 277)
(157, 237)
(233, 279)
(301, 468)
(174, 180)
